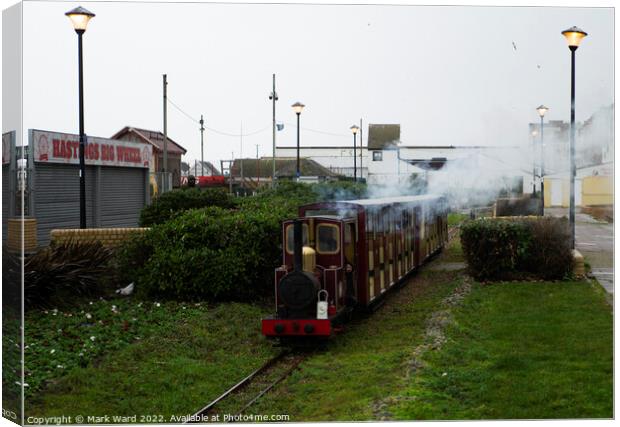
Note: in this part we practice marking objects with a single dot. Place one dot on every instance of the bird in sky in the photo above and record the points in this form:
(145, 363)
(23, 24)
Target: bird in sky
(514, 46)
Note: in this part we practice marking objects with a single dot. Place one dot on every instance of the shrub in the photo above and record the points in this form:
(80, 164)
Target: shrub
(340, 190)
(496, 249)
(209, 253)
(492, 247)
(166, 205)
(60, 273)
(551, 256)
(523, 206)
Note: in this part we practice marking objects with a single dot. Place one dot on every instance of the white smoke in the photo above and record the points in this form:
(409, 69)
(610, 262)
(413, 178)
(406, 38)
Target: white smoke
(475, 177)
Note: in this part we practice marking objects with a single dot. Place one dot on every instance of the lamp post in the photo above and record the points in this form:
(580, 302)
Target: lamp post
(573, 36)
(297, 108)
(354, 129)
(273, 97)
(534, 133)
(79, 18)
(541, 112)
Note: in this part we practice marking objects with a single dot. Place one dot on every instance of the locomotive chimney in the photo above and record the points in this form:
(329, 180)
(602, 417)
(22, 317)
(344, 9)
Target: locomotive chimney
(297, 245)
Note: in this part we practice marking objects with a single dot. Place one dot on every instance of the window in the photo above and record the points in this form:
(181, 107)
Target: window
(290, 237)
(328, 238)
(377, 156)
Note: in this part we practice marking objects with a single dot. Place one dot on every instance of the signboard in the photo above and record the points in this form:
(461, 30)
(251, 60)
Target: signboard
(55, 147)
(6, 148)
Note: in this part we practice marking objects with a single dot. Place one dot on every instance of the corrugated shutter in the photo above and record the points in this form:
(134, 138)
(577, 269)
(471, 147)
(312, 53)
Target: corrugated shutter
(57, 198)
(122, 196)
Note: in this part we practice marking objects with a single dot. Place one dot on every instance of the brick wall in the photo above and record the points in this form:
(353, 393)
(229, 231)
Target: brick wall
(15, 237)
(109, 237)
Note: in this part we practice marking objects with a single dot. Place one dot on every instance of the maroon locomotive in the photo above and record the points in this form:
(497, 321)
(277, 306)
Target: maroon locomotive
(339, 256)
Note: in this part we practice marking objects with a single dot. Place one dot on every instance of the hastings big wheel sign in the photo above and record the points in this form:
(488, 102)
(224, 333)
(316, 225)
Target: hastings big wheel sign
(55, 147)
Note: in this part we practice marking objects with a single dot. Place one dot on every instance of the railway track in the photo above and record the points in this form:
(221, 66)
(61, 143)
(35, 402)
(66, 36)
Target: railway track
(241, 396)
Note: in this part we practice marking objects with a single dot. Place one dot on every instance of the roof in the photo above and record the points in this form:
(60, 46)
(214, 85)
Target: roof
(153, 137)
(285, 167)
(383, 136)
(386, 200)
(209, 170)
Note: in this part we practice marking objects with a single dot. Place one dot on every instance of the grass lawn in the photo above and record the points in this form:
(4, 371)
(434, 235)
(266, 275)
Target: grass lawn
(182, 359)
(520, 350)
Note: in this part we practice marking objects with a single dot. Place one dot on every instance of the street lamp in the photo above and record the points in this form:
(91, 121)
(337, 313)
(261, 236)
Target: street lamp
(354, 129)
(573, 36)
(297, 108)
(541, 112)
(534, 133)
(79, 18)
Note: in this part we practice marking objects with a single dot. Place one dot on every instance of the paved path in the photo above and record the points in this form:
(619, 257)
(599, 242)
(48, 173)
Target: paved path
(595, 240)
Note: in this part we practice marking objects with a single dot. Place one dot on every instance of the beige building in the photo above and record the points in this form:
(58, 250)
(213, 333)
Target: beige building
(156, 140)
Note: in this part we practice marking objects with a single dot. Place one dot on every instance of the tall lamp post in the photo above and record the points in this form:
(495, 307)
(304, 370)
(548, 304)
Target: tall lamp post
(573, 36)
(534, 133)
(79, 18)
(297, 108)
(354, 129)
(541, 112)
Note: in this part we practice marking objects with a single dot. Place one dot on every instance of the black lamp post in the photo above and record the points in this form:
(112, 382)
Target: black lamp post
(79, 18)
(534, 133)
(573, 37)
(541, 112)
(354, 129)
(298, 107)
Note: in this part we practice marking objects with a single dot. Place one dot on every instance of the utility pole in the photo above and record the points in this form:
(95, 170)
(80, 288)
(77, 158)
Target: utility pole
(274, 98)
(230, 174)
(165, 167)
(257, 167)
(241, 156)
(202, 146)
(361, 152)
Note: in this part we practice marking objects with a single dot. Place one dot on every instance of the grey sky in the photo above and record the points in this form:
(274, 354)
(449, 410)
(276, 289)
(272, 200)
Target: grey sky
(448, 75)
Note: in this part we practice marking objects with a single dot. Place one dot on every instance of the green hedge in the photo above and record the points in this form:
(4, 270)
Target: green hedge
(209, 253)
(166, 205)
(498, 249)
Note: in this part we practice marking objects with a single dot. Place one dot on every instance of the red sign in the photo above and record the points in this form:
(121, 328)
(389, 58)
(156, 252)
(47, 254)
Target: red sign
(54, 147)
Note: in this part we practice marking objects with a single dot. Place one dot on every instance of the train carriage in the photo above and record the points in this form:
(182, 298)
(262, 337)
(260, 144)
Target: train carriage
(341, 256)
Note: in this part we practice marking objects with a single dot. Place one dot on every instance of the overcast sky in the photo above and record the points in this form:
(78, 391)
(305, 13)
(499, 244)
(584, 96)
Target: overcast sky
(448, 75)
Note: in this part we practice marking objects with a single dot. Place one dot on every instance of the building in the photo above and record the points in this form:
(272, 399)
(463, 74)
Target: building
(198, 168)
(156, 140)
(338, 159)
(594, 161)
(116, 181)
(254, 172)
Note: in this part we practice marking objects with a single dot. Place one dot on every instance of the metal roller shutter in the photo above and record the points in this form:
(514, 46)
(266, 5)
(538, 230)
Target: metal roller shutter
(122, 195)
(57, 198)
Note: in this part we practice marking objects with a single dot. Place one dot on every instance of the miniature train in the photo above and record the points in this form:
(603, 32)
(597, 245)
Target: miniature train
(341, 256)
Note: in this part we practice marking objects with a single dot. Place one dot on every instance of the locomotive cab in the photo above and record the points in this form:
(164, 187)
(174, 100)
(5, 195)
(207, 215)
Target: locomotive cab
(314, 286)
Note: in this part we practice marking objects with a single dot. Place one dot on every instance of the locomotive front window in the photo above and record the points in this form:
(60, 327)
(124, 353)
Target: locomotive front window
(290, 237)
(328, 238)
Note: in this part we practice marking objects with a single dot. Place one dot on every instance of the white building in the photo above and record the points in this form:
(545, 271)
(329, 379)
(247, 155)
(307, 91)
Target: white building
(338, 160)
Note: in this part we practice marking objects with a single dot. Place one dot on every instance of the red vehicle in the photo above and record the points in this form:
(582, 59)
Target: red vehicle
(342, 256)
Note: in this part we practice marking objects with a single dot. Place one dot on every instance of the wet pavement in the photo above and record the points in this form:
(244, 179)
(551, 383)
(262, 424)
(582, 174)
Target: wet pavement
(595, 240)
